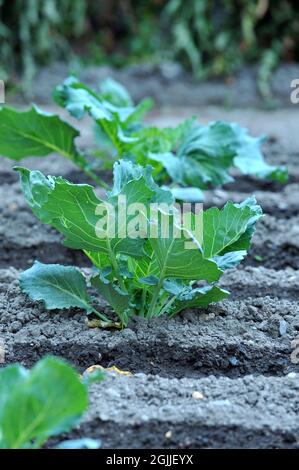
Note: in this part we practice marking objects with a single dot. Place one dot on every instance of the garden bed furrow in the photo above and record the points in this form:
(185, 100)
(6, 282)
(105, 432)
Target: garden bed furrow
(154, 412)
(26, 239)
(233, 338)
(23, 238)
(275, 243)
(250, 281)
(20, 248)
(55, 166)
(281, 204)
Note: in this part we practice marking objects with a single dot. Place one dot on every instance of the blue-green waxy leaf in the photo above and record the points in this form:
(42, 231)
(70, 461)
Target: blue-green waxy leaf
(199, 297)
(115, 93)
(84, 443)
(149, 280)
(249, 158)
(226, 145)
(112, 103)
(34, 133)
(137, 272)
(57, 286)
(114, 120)
(76, 212)
(123, 269)
(243, 242)
(188, 194)
(206, 155)
(86, 221)
(173, 286)
(230, 259)
(152, 141)
(174, 166)
(125, 171)
(43, 402)
(229, 229)
(36, 188)
(78, 99)
(177, 262)
(215, 140)
(119, 300)
(180, 255)
(146, 267)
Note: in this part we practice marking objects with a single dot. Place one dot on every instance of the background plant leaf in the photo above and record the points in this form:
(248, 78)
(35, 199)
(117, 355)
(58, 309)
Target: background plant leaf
(199, 297)
(34, 133)
(57, 286)
(46, 401)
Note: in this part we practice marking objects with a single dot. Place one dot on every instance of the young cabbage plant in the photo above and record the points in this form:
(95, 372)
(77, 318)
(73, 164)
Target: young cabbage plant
(189, 157)
(149, 259)
(44, 402)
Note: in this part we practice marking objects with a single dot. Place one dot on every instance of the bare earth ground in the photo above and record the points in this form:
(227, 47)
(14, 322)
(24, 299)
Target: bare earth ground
(236, 354)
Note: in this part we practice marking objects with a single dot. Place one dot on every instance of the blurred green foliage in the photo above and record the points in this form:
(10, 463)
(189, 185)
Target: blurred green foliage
(211, 37)
(217, 37)
(34, 31)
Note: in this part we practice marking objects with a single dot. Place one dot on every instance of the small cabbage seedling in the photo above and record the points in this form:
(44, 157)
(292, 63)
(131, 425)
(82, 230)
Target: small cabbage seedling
(141, 266)
(35, 405)
(189, 157)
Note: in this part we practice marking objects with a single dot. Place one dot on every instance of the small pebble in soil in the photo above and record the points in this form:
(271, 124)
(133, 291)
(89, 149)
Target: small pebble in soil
(15, 326)
(209, 316)
(233, 361)
(197, 395)
(292, 375)
(282, 327)
(144, 418)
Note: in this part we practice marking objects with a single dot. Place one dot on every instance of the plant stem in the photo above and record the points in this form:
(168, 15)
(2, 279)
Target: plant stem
(143, 299)
(151, 310)
(81, 163)
(100, 315)
(115, 267)
(111, 136)
(167, 305)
